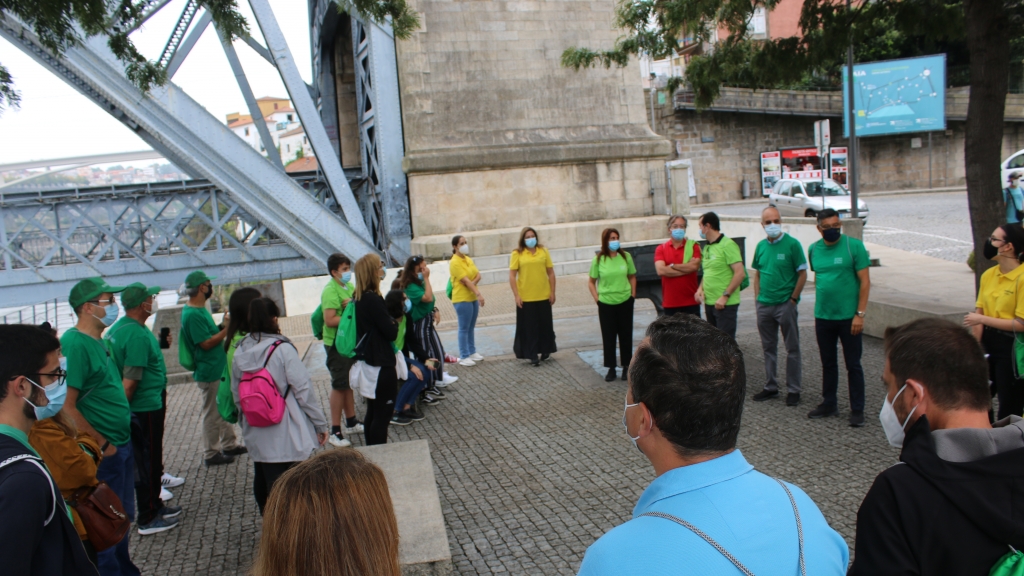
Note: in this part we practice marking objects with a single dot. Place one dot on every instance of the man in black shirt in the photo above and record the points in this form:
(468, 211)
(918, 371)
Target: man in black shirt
(36, 533)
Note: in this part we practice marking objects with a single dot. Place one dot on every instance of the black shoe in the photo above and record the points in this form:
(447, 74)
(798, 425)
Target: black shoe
(545, 356)
(765, 395)
(400, 420)
(857, 419)
(433, 391)
(413, 414)
(535, 361)
(822, 411)
(792, 399)
(237, 451)
(219, 459)
(429, 400)
(625, 374)
(169, 511)
(610, 377)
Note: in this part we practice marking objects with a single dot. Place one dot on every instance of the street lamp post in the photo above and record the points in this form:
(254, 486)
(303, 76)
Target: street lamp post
(851, 157)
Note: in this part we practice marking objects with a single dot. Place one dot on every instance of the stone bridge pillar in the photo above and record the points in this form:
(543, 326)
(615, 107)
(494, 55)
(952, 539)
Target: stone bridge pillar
(498, 134)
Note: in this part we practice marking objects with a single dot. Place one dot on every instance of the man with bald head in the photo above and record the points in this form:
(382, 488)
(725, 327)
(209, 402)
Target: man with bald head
(780, 275)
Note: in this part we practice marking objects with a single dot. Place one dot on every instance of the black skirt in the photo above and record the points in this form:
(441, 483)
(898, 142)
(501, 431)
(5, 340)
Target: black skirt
(535, 330)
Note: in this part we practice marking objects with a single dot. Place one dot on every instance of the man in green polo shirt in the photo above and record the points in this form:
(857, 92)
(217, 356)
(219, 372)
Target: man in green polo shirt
(781, 272)
(97, 403)
(136, 353)
(722, 263)
(841, 285)
(201, 339)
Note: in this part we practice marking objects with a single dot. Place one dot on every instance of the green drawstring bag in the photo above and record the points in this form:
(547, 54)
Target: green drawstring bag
(316, 321)
(448, 289)
(1012, 564)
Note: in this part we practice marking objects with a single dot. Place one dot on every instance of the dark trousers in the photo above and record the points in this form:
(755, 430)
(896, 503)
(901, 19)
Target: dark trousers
(148, 446)
(379, 410)
(616, 322)
(999, 347)
(118, 471)
(829, 334)
(691, 310)
(724, 319)
(266, 474)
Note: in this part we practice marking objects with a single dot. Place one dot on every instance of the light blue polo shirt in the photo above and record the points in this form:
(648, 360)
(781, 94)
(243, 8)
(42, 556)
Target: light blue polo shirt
(745, 511)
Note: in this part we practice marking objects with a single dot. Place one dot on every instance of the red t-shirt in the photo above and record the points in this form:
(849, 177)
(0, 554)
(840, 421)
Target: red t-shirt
(678, 291)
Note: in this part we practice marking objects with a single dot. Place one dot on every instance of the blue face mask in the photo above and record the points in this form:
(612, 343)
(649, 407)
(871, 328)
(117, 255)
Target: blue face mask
(703, 236)
(407, 306)
(419, 275)
(832, 234)
(111, 315)
(531, 243)
(55, 394)
(614, 245)
(773, 230)
(346, 277)
(678, 234)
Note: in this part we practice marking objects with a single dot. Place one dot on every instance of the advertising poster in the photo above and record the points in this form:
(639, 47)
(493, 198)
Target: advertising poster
(801, 163)
(897, 96)
(771, 171)
(838, 161)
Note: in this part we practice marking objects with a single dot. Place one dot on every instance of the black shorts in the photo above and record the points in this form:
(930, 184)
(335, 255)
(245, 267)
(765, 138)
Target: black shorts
(338, 366)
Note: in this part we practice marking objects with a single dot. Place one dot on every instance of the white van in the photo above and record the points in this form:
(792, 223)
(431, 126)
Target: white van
(1015, 163)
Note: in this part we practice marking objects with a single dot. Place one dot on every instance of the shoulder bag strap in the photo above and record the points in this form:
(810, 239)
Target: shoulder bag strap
(288, 387)
(706, 538)
(49, 479)
(799, 526)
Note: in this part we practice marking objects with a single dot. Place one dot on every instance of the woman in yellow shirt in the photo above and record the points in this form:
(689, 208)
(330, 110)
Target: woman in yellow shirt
(1000, 313)
(466, 298)
(532, 277)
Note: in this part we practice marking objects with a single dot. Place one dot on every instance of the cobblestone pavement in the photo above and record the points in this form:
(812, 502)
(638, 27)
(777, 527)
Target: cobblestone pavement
(931, 224)
(531, 463)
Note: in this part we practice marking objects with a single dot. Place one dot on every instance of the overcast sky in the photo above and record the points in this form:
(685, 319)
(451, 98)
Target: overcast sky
(55, 121)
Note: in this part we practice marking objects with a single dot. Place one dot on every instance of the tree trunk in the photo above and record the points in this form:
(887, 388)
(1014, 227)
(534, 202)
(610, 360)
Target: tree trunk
(988, 41)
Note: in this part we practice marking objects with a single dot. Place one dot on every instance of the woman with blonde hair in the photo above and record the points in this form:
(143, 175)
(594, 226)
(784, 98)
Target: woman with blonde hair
(375, 331)
(532, 277)
(330, 516)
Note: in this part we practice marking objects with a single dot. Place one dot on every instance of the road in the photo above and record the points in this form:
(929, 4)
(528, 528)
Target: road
(931, 224)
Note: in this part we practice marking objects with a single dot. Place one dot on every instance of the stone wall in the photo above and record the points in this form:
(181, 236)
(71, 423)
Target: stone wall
(498, 133)
(725, 148)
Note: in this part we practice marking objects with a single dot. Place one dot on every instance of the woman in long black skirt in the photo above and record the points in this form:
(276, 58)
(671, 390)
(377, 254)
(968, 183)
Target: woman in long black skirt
(532, 277)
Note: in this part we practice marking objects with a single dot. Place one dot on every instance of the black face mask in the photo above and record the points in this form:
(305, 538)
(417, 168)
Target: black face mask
(990, 251)
(208, 292)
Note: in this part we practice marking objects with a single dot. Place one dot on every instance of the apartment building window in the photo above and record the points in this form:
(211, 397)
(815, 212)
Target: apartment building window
(758, 25)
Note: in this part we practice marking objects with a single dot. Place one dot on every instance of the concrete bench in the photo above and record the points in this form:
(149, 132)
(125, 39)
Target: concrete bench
(423, 545)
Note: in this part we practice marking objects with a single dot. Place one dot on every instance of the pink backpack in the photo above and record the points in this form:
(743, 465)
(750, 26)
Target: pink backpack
(262, 404)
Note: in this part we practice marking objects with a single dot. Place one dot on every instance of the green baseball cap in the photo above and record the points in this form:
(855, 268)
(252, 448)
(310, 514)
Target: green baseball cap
(137, 293)
(90, 289)
(197, 279)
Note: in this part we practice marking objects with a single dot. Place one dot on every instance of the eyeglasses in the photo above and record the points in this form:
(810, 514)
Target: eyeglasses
(994, 239)
(59, 376)
(102, 302)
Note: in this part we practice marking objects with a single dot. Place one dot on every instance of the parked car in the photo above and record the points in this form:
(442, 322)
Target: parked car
(1015, 163)
(804, 197)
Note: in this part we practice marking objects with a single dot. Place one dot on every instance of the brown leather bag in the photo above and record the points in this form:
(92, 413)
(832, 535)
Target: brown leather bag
(101, 511)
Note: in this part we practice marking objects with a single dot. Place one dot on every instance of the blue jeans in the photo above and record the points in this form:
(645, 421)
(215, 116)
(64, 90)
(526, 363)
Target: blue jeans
(467, 312)
(413, 386)
(118, 471)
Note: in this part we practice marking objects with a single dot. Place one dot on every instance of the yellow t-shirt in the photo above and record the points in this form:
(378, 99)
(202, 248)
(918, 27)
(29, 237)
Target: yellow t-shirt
(997, 296)
(532, 279)
(462, 267)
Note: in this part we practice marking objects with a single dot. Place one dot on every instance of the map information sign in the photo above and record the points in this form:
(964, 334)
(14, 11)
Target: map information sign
(897, 96)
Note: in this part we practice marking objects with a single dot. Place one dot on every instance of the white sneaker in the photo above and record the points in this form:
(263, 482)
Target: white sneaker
(338, 442)
(165, 494)
(476, 357)
(169, 481)
(466, 362)
(448, 379)
(357, 429)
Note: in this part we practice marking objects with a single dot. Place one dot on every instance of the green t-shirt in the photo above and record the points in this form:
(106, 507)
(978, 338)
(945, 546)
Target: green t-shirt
(101, 398)
(836, 285)
(131, 344)
(330, 299)
(197, 327)
(717, 260)
(778, 265)
(612, 276)
(420, 309)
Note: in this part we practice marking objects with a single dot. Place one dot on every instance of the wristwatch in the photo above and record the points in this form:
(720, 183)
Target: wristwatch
(860, 313)
(793, 299)
(105, 446)
(726, 294)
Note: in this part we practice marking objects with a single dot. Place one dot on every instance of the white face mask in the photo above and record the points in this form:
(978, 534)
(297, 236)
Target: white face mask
(626, 428)
(894, 431)
(464, 248)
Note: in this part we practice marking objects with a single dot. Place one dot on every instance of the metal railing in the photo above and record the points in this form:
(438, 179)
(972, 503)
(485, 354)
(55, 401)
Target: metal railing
(46, 311)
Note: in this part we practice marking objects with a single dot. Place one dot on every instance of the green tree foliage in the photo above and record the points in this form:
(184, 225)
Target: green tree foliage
(60, 24)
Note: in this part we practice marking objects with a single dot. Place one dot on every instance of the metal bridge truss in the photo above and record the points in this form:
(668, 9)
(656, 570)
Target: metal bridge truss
(243, 217)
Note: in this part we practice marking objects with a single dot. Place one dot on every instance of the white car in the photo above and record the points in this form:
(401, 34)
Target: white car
(1015, 163)
(800, 197)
